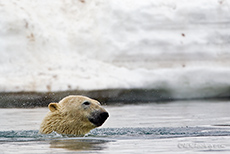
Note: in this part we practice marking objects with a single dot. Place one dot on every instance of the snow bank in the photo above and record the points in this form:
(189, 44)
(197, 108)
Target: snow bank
(179, 46)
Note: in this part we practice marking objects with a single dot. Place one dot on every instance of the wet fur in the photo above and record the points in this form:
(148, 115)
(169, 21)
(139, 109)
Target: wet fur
(70, 117)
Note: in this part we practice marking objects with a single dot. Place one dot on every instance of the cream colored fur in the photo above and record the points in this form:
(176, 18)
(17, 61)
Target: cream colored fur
(69, 116)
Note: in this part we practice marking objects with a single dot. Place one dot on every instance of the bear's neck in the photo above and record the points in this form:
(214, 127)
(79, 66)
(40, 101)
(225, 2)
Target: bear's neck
(63, 125)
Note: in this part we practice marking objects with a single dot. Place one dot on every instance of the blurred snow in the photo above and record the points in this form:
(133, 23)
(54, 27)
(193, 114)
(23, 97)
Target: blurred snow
(181, 46)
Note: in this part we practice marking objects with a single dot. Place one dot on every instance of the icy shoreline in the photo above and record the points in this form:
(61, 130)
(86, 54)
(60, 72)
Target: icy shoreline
(176, 46)
(106, 97)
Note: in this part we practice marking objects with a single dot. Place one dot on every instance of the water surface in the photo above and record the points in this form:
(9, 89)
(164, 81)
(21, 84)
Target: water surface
(169, 127)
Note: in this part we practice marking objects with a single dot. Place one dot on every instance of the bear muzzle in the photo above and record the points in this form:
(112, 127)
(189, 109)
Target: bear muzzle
(98, 118)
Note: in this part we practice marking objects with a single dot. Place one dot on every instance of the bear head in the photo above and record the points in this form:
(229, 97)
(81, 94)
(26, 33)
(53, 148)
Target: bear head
(75, 115)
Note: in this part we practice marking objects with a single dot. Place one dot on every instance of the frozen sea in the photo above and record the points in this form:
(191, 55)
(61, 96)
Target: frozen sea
(157, 127)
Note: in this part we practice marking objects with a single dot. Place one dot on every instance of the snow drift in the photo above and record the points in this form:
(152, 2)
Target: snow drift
(178, 46)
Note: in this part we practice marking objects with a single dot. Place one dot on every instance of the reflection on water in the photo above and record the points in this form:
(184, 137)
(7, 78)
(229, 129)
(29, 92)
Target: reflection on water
(79, 144)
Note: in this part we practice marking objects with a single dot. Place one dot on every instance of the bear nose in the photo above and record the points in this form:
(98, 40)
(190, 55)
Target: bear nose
(99, 119)
(104, 115)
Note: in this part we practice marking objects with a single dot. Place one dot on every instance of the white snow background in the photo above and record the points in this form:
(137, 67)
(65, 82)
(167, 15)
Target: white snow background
(181, 46)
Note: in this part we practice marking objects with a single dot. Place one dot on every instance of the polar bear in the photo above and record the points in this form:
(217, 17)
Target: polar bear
(75, 115)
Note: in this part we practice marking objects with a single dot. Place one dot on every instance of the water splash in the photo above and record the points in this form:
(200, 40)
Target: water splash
(164, 132)
(26, 135)
(116, 133)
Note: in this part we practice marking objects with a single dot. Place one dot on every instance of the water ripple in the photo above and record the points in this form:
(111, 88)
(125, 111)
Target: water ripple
(117, 133)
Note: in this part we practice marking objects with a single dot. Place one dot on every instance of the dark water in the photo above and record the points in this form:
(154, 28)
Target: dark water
(173, 127)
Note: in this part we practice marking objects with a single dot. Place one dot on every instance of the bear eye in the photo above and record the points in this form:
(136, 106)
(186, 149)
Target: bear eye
(86, 103)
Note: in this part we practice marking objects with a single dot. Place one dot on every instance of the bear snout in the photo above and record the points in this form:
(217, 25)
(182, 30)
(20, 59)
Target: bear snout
(99, 118)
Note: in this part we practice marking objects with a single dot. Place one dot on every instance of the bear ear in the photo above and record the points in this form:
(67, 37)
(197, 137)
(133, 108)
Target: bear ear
(53, 107)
